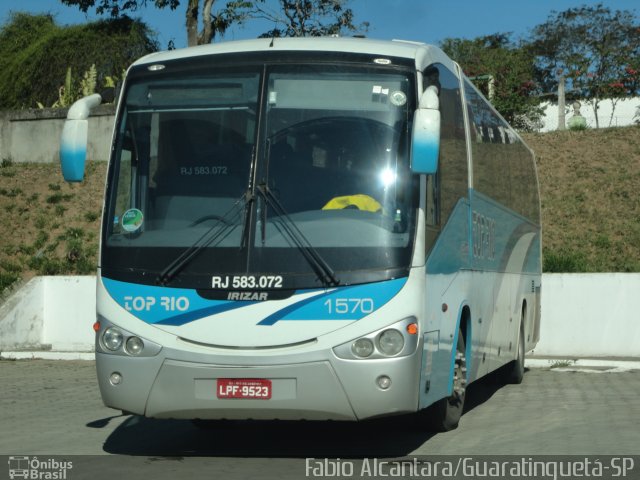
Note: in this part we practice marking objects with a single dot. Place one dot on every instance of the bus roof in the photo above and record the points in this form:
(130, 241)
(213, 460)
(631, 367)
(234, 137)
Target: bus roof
(422, 53)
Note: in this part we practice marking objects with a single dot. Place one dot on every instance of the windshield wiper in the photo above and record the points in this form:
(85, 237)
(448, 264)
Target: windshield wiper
(221, 228)
(325, 273)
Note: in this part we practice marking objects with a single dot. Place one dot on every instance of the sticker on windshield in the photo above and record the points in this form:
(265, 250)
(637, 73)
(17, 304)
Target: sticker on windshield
(132, 220)
(398, 98)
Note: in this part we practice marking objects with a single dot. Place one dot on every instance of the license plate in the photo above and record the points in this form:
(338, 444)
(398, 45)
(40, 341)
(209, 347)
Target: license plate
(252, 388)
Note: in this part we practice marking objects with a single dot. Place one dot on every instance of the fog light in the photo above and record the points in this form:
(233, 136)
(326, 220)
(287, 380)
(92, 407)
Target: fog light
(134, 346)
(363, 347)
(115, 378)
(383, 382)
(391, 342)
(112, 338)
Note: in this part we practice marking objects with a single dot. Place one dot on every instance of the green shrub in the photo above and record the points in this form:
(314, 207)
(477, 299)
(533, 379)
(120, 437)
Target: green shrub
(564, 261)
(10, 267)
(33, 199)
(59, 197)
(41, 239)
(91, 216)
(578, 127)
(45, 265)
(7, 279)
(40, 222)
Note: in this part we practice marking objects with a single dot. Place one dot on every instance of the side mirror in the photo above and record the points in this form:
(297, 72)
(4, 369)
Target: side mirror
(73, 142)
(425, 137)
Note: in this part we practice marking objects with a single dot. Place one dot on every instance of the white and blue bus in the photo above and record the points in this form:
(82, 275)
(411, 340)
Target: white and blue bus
(322, 228)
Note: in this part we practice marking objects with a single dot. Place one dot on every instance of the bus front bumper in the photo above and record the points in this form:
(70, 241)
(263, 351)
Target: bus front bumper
(324, 389)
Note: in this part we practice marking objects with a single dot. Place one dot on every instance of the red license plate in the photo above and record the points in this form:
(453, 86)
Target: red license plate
(252, 388)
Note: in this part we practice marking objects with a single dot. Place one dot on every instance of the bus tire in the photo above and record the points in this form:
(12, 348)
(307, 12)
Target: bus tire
(514, 371)
(444, 415)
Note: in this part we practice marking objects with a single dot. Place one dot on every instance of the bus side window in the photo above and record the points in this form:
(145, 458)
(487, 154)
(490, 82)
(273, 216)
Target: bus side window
(450, 184)
(431, 213)
(432, 206)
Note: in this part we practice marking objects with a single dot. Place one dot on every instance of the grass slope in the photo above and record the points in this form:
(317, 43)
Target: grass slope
(48, 227)
(589, 182)
(590, 191)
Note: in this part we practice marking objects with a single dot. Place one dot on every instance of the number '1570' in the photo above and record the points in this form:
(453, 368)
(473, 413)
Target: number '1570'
(349, 305)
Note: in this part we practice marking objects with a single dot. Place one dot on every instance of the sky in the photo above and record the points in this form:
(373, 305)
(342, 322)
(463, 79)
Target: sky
(426, 21)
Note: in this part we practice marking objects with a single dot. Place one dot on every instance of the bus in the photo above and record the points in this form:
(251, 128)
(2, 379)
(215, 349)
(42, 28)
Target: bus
(309, 228)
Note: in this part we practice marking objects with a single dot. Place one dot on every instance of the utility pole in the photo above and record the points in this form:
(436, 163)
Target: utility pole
(562, 125)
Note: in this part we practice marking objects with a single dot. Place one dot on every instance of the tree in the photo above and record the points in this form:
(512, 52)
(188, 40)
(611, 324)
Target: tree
(212, 23)
(117, 8)
(307, 18)
(503, 71)
(595, 49)
(295, 18)
(36, 56)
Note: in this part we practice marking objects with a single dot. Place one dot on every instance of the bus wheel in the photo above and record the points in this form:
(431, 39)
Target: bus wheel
(444, 415)
(514, 371)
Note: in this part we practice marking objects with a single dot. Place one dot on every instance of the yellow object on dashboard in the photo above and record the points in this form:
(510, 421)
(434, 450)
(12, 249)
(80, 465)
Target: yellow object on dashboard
(360, 201)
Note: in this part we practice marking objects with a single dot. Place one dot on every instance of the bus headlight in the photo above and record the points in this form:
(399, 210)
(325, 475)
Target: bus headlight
(396, 340)
(391, 342)
(115, 340)
(134, 346)
(112, 339)
(363, 347)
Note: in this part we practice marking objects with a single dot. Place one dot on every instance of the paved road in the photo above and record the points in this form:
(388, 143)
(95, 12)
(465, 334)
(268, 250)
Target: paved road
(54, 408)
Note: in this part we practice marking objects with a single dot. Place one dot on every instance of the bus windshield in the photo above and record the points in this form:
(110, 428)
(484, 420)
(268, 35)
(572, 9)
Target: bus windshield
(249, 168)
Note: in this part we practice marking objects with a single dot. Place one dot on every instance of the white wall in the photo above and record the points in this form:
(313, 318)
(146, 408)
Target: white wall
(623, 114)
(34, 135)
(583, 315)
(70, 312)
(54, 313)
(21, 317)
(590, 315)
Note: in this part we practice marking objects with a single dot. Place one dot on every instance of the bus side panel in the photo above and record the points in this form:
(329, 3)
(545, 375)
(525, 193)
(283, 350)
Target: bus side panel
(487, 259)
(506, 259)
(447, 283)
(505, 226)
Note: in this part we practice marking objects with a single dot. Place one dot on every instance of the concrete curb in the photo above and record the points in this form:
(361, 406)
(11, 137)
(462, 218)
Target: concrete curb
(592, 365)
(47, 355)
